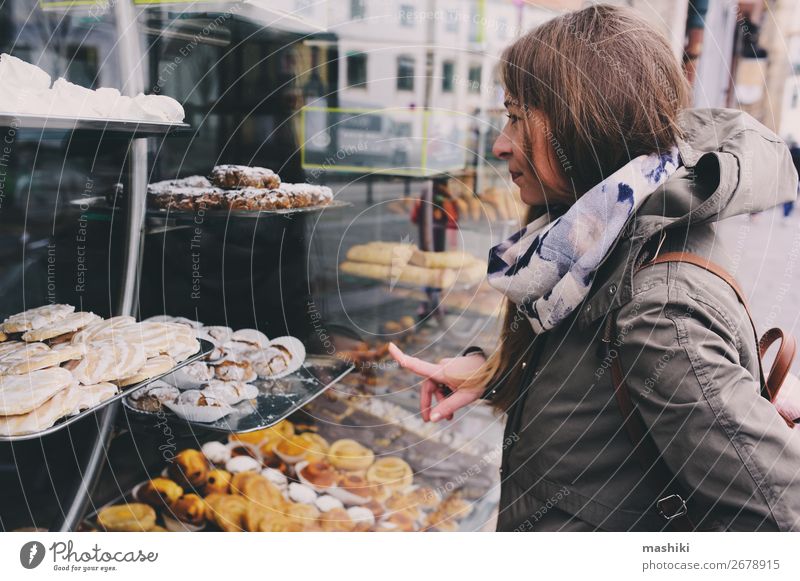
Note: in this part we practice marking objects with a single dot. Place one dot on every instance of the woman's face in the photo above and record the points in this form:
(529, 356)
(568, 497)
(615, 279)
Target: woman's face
(540, 180)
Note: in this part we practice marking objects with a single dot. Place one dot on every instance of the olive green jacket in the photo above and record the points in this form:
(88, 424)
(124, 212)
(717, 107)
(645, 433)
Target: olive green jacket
(690, 356)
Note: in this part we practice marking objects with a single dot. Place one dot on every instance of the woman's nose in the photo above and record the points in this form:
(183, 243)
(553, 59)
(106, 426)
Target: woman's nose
(502, 146)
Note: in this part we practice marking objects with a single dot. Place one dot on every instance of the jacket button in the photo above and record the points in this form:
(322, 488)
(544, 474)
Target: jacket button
(612, 289)
(588, 308)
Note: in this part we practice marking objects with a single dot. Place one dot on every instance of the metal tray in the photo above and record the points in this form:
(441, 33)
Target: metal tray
(128, 127)
(276, 400)
(205, 348)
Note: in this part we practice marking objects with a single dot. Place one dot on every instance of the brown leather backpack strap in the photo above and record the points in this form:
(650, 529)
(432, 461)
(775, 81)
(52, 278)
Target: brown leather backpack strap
(783, 360)
(672, 505)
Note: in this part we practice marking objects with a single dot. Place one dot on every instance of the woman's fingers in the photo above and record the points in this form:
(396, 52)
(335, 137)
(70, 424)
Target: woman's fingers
(453, 403)
(440, 397)
(418, 366)
(426, 393)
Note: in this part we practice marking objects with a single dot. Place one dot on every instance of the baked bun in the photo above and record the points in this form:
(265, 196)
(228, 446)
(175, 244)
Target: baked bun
(391, 471)
(159, 492)
(189, 508)
(132, 517)
(349, 455)
(190, 469)
(217, 481)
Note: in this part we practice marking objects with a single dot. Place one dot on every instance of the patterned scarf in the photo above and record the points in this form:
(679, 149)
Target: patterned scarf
(547, 268)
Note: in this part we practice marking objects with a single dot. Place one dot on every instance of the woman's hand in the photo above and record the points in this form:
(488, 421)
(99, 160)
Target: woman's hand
(450, 372)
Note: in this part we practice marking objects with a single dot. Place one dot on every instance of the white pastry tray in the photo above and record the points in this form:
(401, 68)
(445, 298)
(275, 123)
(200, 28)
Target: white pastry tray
(128, 127)
(205, 348)
(276, 399)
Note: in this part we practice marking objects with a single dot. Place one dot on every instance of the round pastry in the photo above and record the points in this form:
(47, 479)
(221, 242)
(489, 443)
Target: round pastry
(216, 452)
(317, 474)
(258, 489)
(242, 464)
(251, 337)
(276, 477)
(455, 506)
(392, 472)
(303, 512)
(361, 515)
(229, 512)
(293, 449)
(189, 508)
(327, 502)
(399, 502)
(282, 356)
(132, 517)
(302, 493)
(45, 358)
(231, 392)
(190, 469)
(397, 522)
(229, 370)
(243, 449)
(336, 520)
(272, 436)
(424, 496)
(218, 481)
(159, 492)
(152, 398)
(356, 484)
(350, 455)
(196, 406)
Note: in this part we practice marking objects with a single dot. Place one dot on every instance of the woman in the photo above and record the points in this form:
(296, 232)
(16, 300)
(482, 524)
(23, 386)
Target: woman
(615, 171)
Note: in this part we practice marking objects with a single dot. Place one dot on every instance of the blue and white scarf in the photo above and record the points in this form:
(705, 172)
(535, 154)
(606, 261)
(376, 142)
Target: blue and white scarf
(547, 268)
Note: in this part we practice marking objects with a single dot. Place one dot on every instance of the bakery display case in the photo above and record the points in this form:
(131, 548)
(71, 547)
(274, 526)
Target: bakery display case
(293, 246)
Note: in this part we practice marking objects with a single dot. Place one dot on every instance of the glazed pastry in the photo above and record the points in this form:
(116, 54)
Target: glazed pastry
(392, 472)
(231, 392)
(242, 464)
(241, 176)
(303, 512)
(185, 198)
(361, 516)
(20, 394)
(282, 356)
(303, 195)
(153, 367)
(218, 481)
(103, 329)
(336, 520)
(66, 402)
(190, 509)
(196, 406)
(349, 455)
(255, 437)
(155, 338)
(132, 517)
(319, 474)
(276, 477)
(229, 512)
(25, 361)
(36, 318)
(9, 348)
(183, 346)
(251, 337)
(243, 449)
(190, 469)
(274, 435)
(108, 361)
(424, 497)
(159, 492)
(68, 324)
(302, 493)
(152, 398)
(216, 452)
(219, 334)
(229, 370)
(259, 490)
(356, 484)
(327, 502)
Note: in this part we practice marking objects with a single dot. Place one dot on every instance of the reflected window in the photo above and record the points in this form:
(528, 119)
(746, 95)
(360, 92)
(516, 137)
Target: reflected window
(357, 70)
(358, 9)
(448, 72)
(451, 21)
(474, 79)
(405, 73)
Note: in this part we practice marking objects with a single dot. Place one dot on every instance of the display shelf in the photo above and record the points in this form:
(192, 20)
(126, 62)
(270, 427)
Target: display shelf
(36, 125)
(276, 400)
(205, 349)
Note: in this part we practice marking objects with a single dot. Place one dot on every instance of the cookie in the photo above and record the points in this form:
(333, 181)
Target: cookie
(36, 318)
(67, 402)
(43, 359)
(20, 394)
(67, 324)
(103, 329)
(108, 361)
(154, 366)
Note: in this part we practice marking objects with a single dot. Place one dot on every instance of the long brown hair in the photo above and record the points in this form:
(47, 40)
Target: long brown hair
(609, 89)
